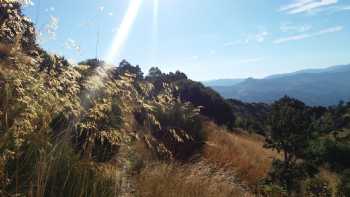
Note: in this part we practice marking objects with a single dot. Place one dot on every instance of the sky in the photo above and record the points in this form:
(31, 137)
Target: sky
(206, 39)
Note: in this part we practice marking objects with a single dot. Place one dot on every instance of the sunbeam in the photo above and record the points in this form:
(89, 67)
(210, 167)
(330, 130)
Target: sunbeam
(123, 31)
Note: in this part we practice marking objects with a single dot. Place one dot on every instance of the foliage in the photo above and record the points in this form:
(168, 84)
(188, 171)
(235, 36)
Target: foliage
(317, 187)
(329, 151)
(344, 187)
(159, 79)
(271, 190)
(41, 168)
(180, 129)
(94, 63)
(154, 73)
(125, 67)
(250, 116)
(288, 176)
(213, 105)
(289, 132)
(13, 26)
(97, 133)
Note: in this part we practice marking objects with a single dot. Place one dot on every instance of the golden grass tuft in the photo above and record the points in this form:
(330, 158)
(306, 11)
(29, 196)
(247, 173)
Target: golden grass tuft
(244, 154)
(171, 180)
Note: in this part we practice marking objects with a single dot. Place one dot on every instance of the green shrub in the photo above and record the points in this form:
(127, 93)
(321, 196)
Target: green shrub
(271, 190)
(329, 151)
(344, 186)
(287, 176)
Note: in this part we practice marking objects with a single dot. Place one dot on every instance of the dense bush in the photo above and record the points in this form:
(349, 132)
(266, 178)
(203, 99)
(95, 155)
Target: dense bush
(180, 129)
(213, 105)
(271, 190)
(344, 187)
(250, 116)
(287, 176)
(95, 136)
(330, 152)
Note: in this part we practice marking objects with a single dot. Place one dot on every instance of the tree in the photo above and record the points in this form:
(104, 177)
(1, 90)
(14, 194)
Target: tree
(289, 128)
(177, 76)
(289, 123)
(125, 67)
(154, 72)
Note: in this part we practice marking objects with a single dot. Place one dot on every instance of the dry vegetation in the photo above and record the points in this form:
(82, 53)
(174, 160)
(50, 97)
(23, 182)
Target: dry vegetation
(38, 106)
(171, 180)
(331, 178)
(229, 164)
(240, 153)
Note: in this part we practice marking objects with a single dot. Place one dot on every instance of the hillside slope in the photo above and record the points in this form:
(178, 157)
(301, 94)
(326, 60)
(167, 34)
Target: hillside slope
(94, 129)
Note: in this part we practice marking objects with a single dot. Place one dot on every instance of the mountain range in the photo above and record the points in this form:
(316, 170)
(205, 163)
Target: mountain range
(323, 87)
(222, 82)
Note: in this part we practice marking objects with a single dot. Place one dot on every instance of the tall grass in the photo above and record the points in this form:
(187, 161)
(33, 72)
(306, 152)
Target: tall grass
(42, 169)
(171, 180)
(243, 154)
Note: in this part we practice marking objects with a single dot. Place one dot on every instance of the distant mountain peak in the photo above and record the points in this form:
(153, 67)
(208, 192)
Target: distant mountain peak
(325, 86)
(222, 82)
(337, 68)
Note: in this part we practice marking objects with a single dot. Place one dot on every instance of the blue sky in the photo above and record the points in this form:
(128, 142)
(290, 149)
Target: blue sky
(206, 39)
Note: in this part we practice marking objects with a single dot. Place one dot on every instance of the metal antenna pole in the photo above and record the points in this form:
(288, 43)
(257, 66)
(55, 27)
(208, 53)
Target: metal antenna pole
(97, 41)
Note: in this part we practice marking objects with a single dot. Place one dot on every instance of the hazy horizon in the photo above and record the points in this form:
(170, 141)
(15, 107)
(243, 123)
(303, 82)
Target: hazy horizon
(205, 39)
(288, 72)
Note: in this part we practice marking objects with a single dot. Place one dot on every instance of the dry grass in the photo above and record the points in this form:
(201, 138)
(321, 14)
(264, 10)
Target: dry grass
(243, 154)
(170, 180)
(332, 178)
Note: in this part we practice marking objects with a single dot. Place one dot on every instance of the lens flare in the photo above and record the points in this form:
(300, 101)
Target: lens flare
(123, 31)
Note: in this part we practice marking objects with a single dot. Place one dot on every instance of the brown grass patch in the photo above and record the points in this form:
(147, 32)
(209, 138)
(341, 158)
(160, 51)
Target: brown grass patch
(242, 153)
(170, 180)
